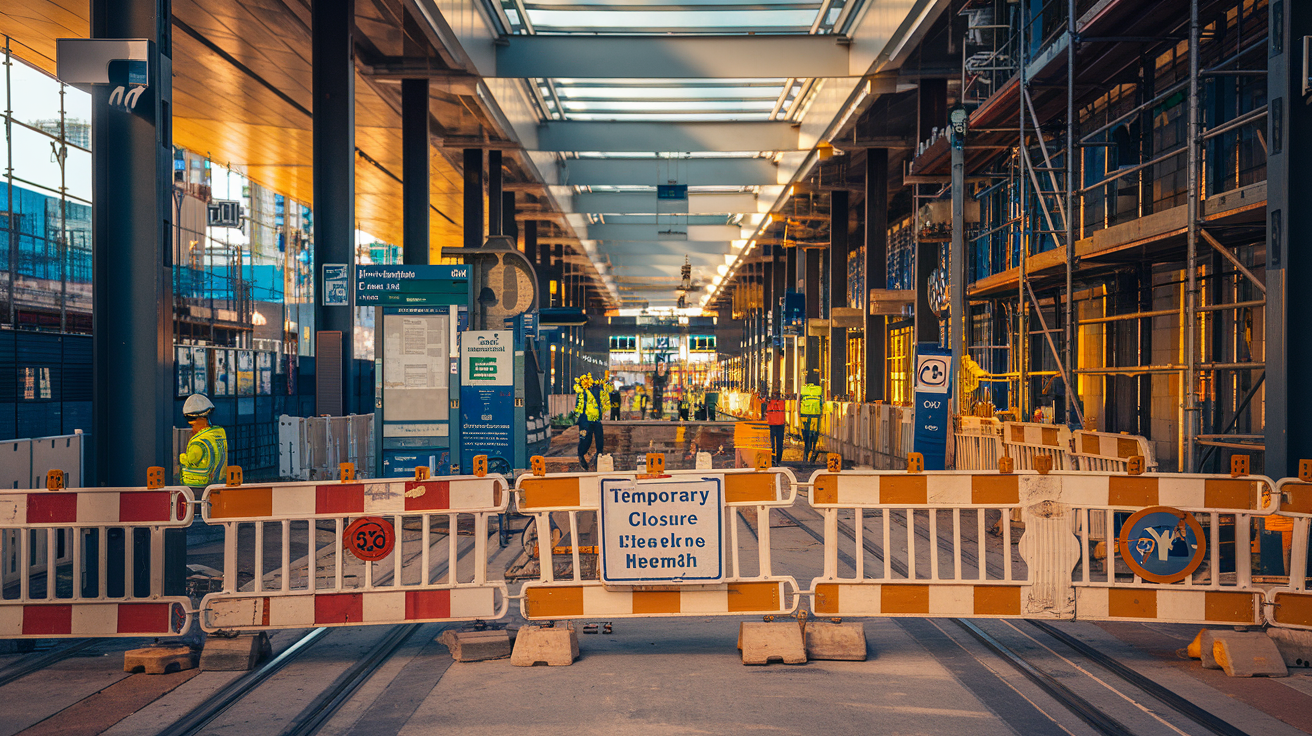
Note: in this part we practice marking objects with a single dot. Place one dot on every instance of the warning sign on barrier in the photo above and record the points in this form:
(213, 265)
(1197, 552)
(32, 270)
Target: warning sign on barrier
(662, 531)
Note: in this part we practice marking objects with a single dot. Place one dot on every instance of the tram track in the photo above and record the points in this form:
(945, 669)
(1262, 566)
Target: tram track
(1082, 708)
(37, 662)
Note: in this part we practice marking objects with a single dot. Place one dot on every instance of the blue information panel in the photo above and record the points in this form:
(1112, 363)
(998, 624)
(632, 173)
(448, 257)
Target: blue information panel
(1162, 544)
(933, 391)
(487, 394)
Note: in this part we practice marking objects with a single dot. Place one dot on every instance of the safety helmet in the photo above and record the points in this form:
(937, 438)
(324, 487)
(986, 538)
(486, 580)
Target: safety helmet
(197, 406)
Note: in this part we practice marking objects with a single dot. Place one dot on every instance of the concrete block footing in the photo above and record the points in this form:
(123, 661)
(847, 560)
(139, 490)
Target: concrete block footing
(605, 463)
(763, 642)
(1295, 646)
(476, 646)
(235, 653)
(159, 660)
(557, 647)
(703, 461)
(1247, 654)
(843, 641)
(1206, 640)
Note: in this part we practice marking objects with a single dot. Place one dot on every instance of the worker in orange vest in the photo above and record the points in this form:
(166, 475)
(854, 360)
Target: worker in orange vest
(774, 417)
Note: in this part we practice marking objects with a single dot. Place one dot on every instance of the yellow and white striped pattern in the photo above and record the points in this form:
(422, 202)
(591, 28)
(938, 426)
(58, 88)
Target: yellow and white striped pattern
(1173, 604)
(582, 491)
(1109, 452)
(589, 599)
(1023, 441)
(953, 599)
(1188, 492)
(947, 488)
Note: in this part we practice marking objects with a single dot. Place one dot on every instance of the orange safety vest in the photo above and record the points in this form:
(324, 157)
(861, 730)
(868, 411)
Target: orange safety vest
(774, 411)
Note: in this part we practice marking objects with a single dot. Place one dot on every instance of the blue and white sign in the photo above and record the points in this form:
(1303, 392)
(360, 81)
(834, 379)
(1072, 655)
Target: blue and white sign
(1162, 544)
(662, 531)
(933, 386)
(336, 285)
(487, 394)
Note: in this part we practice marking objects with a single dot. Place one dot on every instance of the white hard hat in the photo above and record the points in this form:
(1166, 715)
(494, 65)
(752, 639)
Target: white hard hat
(197, 405)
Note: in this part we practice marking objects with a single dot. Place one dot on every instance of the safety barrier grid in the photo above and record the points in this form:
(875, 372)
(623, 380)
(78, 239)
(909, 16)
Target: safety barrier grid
(312, 448)
(566, 510)
(347, 553)
(977, 443)
(25, 462)
(90, 562)
(904, 567)
(1290, 605)
(1054, 570)
(1109, 452)
(1024, 441)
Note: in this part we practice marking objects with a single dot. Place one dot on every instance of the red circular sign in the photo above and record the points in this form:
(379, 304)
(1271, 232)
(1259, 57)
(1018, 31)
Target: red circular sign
(370, 538)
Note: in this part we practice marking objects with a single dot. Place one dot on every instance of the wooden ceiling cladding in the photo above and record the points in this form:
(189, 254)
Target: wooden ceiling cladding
(221, 111)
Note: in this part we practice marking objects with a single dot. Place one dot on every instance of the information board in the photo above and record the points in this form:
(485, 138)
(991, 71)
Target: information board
(933, 384)
(487, 393)
(416, 373)
(662, 531)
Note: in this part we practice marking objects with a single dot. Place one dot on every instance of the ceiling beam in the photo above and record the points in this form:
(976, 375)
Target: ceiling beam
(646, 203)
(672, 234)
(626, 136)
(673, 57)
(700, 172)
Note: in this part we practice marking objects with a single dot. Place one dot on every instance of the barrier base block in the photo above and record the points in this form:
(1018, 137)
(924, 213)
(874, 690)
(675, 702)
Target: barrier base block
(238, 653)
(558, 647)
(476, 646)
(1206, 645)
(827, 640)
(763, 642)
(1295, 646)
(159, 660)
(1247, 654)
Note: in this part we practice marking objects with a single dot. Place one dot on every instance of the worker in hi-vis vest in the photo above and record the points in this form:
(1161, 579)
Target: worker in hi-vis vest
(592, 404)
(207, 451)
(810, 407)
(775, 409)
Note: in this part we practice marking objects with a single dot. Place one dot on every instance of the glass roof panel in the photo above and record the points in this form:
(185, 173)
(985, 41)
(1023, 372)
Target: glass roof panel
(663, 106)
(660, 21)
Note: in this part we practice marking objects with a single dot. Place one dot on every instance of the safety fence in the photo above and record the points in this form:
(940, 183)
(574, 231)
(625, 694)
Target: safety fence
(91, 562)
(558, 404)
(1075, 545)
(345, 553)
(660, 575)
(24, 463)
(312, 448)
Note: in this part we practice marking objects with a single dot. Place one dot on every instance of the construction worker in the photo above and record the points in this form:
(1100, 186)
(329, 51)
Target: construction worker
(207, 451)
(640, 402)
(810, 407)
(775, 409)
(615, 399)
(591, 405)
(685, 406)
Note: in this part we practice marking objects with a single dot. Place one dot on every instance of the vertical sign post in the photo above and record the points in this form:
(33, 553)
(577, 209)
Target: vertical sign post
(933, 391)
(487, 395)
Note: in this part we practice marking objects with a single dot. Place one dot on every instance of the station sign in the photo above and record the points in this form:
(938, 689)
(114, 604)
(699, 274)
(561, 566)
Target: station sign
(662, 531)
(396, 285)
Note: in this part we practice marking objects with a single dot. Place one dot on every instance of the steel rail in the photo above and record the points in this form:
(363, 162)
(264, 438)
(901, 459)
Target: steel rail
(28, 665)
(1202, 717)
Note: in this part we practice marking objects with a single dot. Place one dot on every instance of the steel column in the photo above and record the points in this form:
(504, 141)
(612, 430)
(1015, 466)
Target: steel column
(1189, 399)
(495, 223)
(776, 351)
(132, 311)
(473, 199)
(876, 270)
(838, 248)
(415, 171)
(334, 173)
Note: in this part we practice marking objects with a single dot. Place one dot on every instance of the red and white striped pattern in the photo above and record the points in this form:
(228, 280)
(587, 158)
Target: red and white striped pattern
(94, 619)
(97, 507)
(277, 501)
(258, 611)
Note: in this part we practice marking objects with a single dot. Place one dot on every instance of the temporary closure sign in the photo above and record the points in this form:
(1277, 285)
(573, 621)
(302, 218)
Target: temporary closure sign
(662, 531)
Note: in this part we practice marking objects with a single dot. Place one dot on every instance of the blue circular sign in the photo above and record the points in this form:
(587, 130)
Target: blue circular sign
(1162, 544)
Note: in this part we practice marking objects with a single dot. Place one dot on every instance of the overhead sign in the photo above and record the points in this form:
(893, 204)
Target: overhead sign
(336, 285)
(933, 383)
(1162, 544)
(410, 285)
(662, 531)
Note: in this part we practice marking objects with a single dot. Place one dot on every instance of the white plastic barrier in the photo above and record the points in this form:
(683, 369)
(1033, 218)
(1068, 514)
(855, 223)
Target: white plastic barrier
(1023, 441)
(1110, 452)
(573, 501)
(977, 443)
(25, 462)
(338, 554)
(1290, 605)
(92, 578)
(312, 448)
(1051, 572)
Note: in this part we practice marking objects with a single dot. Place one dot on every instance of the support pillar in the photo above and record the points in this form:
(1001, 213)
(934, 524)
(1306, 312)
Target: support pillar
(415, 171)
(473, 191)
(509, 227)
(1288, 397)
(876, 333)
(334, 185)
(812, 277)
(776, 350)
(838, 247)
(495, 222)
(132, 317)
(767, 297)
(790, 351)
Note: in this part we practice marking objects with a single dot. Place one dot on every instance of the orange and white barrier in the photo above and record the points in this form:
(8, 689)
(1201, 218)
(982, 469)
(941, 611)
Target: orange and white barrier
(1110, 453)
(1023, 441)
(1290, 605)
(73, 558)
(1049, 570)
(345, 553)
(573, 502)
(976, 443)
